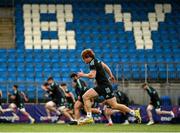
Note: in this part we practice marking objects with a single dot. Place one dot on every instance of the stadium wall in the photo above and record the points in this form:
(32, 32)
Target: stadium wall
(38, 112)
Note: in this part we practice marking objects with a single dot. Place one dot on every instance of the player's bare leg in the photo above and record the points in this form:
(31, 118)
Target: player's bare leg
(90, 94)
(77, 106)
(108, 113)
(149, 113)
(64, 111)
(123, 108)
(163, 112)
(23, 111)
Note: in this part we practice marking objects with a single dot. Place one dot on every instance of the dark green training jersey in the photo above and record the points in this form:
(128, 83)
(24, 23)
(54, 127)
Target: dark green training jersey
(153, 94)
(101, 77)
(57, 95)
(18, 99)
(80, 87)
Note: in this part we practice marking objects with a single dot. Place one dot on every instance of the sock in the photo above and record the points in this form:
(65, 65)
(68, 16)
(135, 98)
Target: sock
(7, 110)
(151, 119)
(30, 117)
(71, 119)
(58, 113)
(132, 113)
(126, 121)
(89, 114)
(110, 120)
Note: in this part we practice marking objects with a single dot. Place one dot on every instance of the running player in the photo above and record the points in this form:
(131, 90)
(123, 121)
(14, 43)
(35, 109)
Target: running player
(154, 103)
(18, 103)
(103, 88)
(50, 106)
(80, 88)
(121, 99)
(58, 97)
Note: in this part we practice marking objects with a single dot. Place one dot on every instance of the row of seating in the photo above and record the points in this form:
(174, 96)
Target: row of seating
(95, 29)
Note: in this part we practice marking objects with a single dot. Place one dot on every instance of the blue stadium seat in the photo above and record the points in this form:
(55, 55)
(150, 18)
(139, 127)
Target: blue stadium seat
(97, 30)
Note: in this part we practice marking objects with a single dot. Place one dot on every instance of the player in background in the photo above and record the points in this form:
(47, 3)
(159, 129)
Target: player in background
(121, 99)
(154, 104)
(50, 106)
(69, 97)
(58, 97)
(18, 103)
(98, 70)
(80, 88)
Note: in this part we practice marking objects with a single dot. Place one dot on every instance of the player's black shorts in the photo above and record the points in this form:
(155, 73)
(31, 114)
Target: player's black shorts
(81, 96)
(156, 104)
(70, 105)
(60, 102)
(105, 91)
(122, 102)
(20, 105)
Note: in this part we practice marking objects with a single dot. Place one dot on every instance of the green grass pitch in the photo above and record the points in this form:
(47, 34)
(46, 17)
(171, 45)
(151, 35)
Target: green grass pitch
(89, 128)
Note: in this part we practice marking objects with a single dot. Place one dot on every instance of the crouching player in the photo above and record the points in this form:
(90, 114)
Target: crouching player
(154, 103)
(58, 101)
(18, 103)
(69, 97)
(80, 88)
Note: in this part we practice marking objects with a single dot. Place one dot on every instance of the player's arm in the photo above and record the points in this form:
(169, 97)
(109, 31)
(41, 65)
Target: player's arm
(43, 87)
(91, 74)
(108, 70)
(0, 93)
(24, 96)
(11, 96)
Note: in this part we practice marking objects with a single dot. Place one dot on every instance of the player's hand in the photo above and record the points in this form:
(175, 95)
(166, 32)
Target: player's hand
(80, 74)
(112, 79)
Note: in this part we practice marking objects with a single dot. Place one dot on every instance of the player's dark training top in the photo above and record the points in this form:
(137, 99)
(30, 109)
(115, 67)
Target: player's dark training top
(80, 88)
(70, 102)
(57, 95)
(100, 72)
(103, 87)
(155, 100)
(18, 99)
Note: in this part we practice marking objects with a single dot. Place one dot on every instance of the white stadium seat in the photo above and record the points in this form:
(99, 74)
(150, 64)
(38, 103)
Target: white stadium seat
(43, 8)
(29, 46)
(37, 46)
(160, 17)
(44, 26)
(109, 8)
(167, 8)
(26, 7)
(51, 8)
(36, 32)
(35, 6)
(153, 26)
(117, 7)
(53, 26)
(33, 27)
